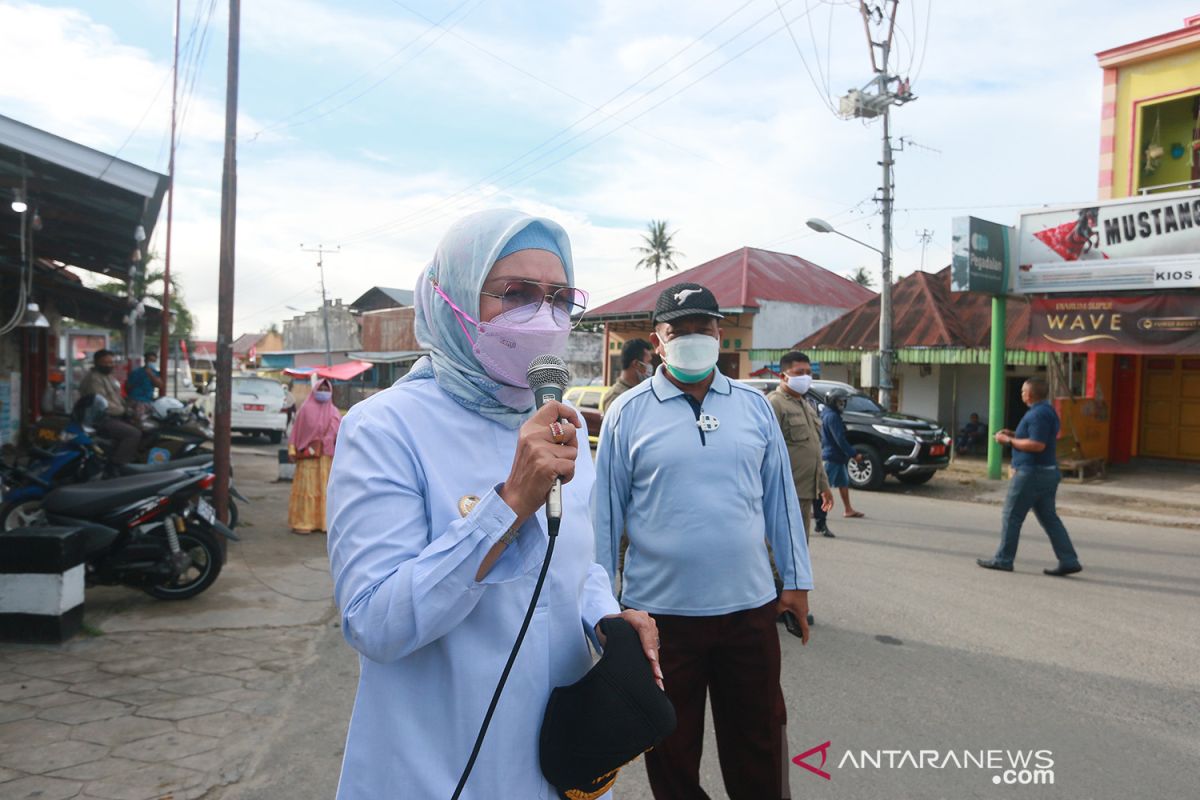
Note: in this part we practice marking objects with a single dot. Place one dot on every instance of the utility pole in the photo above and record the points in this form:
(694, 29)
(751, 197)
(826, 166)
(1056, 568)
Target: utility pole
(321, 251)
(164, 341)
(926, 236)
(221, 421)
(867, 104)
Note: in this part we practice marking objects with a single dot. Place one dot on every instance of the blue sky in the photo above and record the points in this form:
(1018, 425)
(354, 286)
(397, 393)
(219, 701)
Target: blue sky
(376, 129)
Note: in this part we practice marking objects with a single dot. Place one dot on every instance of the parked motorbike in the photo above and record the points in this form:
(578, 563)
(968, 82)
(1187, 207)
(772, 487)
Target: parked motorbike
(174, 429)
(154, 532)
(77, 459)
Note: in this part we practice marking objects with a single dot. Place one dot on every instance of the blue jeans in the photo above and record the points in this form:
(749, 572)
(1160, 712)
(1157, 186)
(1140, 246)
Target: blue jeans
(1034, 488)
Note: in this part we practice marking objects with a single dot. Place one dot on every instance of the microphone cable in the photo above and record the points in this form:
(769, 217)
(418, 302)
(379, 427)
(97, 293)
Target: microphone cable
(552, 526)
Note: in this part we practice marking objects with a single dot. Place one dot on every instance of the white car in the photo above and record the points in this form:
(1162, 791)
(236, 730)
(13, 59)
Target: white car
(257, 407)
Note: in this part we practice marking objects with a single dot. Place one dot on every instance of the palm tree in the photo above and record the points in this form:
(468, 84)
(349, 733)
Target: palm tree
(863, 278)
(657, 252)
(182, 321)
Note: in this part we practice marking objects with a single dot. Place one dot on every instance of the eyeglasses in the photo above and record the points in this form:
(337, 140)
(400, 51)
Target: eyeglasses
(525, 299)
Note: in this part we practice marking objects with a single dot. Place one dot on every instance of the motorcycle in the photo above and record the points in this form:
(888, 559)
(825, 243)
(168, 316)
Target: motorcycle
(154, 532)
(173, 429)
(77, 459)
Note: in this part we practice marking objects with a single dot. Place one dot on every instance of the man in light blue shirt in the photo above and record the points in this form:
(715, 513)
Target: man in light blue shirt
(693, 468)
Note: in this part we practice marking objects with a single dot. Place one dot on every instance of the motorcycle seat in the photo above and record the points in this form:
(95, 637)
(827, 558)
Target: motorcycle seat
(175, 463)
(96, 497)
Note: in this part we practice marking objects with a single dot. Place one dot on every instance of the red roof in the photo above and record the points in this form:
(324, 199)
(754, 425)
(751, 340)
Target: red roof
(740, 279)
(925, 313)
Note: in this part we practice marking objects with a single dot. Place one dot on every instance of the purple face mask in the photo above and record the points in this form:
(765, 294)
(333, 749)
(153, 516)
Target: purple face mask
(505, 347)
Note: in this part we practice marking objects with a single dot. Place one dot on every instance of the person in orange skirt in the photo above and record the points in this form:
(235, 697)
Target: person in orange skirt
(310, 447)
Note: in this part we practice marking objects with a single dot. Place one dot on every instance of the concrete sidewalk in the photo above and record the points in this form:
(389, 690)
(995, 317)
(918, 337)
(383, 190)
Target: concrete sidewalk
(171, 700)
(1165, 495)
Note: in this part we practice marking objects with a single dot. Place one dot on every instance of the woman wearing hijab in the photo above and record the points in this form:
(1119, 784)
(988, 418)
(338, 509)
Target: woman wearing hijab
(311, 445)
(437, 531)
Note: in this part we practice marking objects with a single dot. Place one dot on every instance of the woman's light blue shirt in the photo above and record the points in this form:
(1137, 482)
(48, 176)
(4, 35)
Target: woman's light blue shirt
(432, 640)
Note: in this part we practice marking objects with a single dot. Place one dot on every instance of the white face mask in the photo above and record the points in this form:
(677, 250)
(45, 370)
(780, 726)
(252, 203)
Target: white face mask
(691, 358)
(800, 384)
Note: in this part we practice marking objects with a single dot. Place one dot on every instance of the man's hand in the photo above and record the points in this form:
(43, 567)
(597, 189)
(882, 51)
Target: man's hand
(647, 631)
(858, 457)
(1003, 437)
(796, 601)
(827, 500)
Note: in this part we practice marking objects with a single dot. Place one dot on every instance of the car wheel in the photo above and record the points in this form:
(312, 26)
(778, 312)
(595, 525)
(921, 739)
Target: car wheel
(276, 437)
(916, 478)
(868, 473)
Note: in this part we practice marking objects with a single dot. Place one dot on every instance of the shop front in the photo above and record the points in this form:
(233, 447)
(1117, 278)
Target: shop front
(1117, 282)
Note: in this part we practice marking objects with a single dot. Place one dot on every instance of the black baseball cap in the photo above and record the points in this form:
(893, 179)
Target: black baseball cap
(686, 300)
(604, 720)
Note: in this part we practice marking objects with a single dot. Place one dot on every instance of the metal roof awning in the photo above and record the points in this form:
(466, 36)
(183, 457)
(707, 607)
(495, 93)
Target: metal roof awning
(90, 204)
(338, 372)
(72, 299)
(393, 357)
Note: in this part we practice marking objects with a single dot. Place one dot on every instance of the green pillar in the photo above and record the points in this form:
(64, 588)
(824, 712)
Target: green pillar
(996, 386)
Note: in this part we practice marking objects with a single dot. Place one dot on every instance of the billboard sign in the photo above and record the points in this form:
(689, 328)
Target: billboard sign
(1156, 324)
(979, 256)
(1132, 244)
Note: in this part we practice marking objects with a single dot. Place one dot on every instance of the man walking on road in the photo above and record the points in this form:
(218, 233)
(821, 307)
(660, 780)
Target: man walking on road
(691, 465)
(1034, 484)
(802, 432)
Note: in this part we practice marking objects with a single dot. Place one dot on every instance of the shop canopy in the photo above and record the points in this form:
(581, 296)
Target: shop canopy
(95, 211)
(338, 372)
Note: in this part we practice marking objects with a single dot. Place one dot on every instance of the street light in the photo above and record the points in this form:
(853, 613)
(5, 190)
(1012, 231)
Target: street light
(885, 310)
(821, 226)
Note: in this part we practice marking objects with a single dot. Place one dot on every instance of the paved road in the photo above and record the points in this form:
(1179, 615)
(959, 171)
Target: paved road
(918, 649)
(915, 649)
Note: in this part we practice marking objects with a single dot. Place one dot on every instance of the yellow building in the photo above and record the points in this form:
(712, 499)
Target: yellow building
(1144, 404)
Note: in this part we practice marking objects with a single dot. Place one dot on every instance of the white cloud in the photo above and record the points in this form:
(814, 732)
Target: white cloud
(1009, 97)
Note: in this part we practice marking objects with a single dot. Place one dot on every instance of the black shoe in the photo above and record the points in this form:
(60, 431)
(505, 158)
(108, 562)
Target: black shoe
(823, 529)
(991, 563)
(1060, 571)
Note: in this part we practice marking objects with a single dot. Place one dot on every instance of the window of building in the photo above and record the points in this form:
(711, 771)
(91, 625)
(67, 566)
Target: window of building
(1168, 152)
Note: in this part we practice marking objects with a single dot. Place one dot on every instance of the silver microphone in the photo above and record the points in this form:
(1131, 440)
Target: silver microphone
(548, 377)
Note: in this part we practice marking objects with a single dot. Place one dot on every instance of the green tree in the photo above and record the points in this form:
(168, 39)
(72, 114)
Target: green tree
(863, 278)
(149, 284)
(657, 251)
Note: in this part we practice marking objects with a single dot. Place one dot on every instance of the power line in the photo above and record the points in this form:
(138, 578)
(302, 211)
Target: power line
(383, 79)
(399, 223)
(543, 81)
(510, 167)
(361, 75)
(804, 61)
(282, 302)
(924, 39)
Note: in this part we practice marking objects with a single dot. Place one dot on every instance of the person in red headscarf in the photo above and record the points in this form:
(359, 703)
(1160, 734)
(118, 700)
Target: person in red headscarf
(310, 446)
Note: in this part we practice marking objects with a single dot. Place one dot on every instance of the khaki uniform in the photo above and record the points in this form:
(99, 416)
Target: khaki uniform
(616, 390)
(802, 433)
(107, 387)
